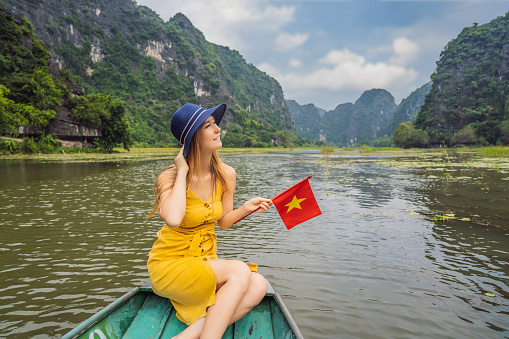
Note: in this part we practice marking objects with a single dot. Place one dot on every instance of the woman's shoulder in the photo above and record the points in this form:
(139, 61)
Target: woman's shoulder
(230, 171)
(231, 177)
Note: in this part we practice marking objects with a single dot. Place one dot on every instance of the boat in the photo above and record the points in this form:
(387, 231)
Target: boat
(141, 313)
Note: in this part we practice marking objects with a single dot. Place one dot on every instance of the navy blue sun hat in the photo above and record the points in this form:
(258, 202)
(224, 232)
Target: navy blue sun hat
(188, 118)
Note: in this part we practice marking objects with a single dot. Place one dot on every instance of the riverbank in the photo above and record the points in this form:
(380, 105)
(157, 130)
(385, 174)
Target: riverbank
(468, 156)
(122, 155)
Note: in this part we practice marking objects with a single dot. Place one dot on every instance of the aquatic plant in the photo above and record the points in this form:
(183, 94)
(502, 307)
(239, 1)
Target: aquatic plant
(326, 150)
(494, 151)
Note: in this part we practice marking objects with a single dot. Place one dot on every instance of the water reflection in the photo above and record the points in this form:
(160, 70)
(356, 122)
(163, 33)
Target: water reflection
(75, 237)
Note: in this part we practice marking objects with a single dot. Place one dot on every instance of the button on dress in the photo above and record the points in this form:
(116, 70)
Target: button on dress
(178, 263)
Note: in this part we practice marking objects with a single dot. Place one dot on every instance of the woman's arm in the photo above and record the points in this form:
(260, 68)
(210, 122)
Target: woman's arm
(229, 214)
(173, 208)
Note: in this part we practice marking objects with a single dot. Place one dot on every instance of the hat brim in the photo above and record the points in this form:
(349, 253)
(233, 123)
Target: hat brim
(217, 112)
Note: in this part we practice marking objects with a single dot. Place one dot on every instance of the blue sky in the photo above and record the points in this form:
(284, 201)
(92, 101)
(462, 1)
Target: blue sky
(330, 52)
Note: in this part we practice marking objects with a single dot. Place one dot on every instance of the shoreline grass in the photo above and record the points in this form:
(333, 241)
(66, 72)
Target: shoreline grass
(145, 154)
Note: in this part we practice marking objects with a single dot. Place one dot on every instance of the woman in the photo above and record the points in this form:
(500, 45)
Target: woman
(208, 294)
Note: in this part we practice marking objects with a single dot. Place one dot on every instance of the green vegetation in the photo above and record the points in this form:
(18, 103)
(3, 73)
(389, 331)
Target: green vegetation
(107, 113)
(131, 96)
(188, 64)
(385, 141)
(494, 151)
(29, 94)
(13, 114)
(306, 119)
(326, 150)
(366, 149)
(409, 107)
(407, 136)
(46, 144)
(468, 102)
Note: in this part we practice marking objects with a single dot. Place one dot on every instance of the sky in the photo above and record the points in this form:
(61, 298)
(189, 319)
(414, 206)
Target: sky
(328, 52)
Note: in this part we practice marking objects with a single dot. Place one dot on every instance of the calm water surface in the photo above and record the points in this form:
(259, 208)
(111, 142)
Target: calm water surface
(74, 238)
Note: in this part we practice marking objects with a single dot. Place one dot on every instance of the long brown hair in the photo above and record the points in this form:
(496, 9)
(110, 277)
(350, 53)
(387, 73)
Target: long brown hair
(166, 179)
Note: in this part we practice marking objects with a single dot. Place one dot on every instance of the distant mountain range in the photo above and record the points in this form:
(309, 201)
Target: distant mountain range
(465, 103)
(120, 49)
(374, 115)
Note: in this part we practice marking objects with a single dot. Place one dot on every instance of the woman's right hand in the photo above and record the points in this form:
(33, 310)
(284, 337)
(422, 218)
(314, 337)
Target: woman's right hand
(181, 162)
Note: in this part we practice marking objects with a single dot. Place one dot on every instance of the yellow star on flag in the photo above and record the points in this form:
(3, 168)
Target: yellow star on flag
(295, 203)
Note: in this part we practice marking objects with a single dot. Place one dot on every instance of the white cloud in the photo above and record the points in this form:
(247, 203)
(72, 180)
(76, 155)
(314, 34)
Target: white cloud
(343, 56)
(287, 41)
(295, 63)
(344, 70)
(405, 51)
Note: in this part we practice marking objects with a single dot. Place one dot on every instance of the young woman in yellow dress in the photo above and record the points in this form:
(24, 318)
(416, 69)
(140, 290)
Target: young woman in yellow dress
(191, 196)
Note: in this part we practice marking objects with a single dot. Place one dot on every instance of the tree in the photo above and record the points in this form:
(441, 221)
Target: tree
(287, 138)
(13, 115)
(45, 93)
(504, 132)
(107, 114)
(420, 138)
(115, 127)
(403, 135)
(465, 136)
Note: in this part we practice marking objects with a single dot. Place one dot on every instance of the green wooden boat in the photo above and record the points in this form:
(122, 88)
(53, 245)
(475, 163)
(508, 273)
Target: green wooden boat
(141, 313)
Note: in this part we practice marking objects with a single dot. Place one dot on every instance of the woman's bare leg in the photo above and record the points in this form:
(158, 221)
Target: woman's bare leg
(233, 278)
(193, 331)
(255, 293)
(257, 287)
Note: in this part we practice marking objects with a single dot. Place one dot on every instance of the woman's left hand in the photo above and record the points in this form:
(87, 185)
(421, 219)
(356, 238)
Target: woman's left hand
(255, 203)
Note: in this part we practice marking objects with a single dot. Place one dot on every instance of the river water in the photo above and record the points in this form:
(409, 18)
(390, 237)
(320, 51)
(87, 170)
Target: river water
(374, 265)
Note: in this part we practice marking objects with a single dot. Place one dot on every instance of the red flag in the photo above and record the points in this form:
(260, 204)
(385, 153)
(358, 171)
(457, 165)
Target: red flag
(297, 204)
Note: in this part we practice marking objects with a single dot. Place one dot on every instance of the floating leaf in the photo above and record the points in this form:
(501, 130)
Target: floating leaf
(445, 217)
(505, 178)
(450, 214)
(432, 177)
(490, 294)
(484, 188)
(465, 219)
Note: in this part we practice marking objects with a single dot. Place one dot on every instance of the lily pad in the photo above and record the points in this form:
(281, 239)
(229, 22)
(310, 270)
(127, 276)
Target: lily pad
(490, 294)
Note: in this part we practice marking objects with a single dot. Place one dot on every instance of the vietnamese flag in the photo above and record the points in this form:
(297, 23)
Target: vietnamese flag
(297, 204)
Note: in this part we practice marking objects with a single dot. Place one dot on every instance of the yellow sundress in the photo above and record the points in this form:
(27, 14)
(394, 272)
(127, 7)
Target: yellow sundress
(178, 264)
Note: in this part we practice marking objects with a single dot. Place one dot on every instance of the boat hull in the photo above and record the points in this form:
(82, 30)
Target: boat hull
(141, 313)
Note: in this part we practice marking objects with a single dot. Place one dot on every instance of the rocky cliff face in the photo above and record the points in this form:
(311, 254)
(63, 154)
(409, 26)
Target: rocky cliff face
(409, 107)
(335, 124)
(63, 125)
(348, 124)
(306, 119)
(106, 43)
(471, 85)
(373, 113)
